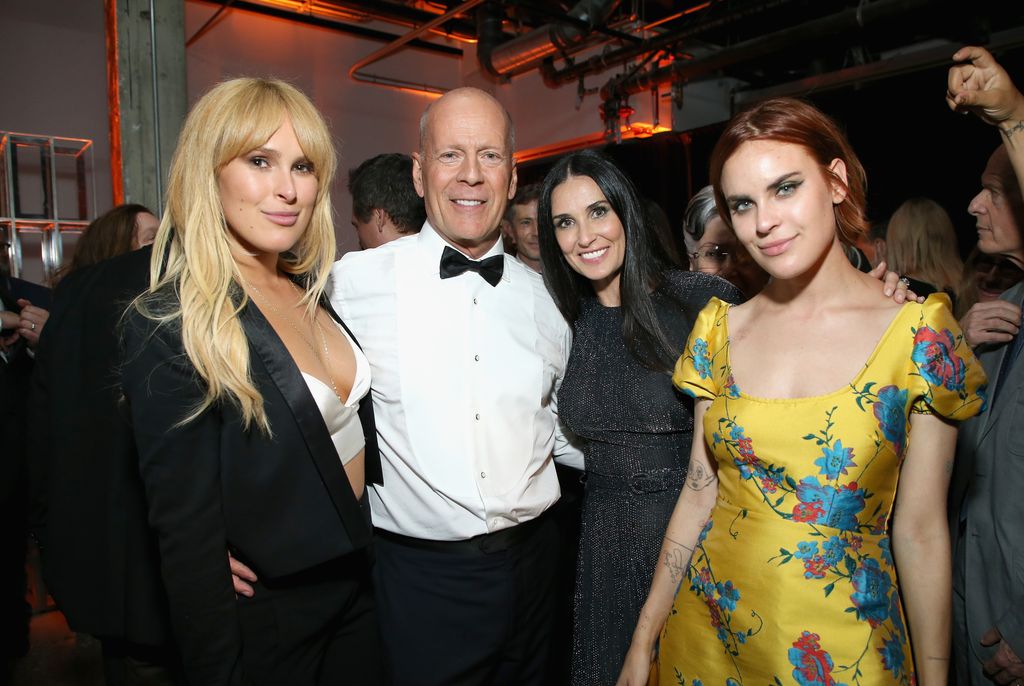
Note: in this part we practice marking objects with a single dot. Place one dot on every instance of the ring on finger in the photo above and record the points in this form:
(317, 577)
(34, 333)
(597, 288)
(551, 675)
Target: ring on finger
(904, 281)
(32, 326)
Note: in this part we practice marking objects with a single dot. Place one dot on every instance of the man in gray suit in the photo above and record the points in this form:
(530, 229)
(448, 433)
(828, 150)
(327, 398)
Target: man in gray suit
(986, 502)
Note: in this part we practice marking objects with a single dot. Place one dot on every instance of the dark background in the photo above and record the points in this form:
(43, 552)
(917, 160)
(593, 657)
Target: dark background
(909, 141)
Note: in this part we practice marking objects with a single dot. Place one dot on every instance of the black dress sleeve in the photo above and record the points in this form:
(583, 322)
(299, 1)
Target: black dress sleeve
(180, 468)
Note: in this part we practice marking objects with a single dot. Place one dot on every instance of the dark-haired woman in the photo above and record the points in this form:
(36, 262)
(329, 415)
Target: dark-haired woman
(631, 309)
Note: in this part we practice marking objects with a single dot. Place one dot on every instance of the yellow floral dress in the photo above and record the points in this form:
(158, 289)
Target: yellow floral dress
(792, 580)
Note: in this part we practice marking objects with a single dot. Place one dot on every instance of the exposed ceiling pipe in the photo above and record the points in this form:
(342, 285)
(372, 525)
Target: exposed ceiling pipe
(526, 52)
(357, 74)
(554, 78)
(402, 15)
(339, 26)
(748, 51)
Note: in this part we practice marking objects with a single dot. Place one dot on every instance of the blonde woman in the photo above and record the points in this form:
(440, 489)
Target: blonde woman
(248, 399)
(921, 245)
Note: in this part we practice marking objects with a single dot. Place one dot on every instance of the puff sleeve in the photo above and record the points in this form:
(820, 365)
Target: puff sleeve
(946, 377)
(702, 371)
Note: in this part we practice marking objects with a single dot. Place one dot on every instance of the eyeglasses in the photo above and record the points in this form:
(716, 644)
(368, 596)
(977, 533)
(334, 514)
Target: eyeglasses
(715, 254)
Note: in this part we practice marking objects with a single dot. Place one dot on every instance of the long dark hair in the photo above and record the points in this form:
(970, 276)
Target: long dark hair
(107, 236)
(643, 267)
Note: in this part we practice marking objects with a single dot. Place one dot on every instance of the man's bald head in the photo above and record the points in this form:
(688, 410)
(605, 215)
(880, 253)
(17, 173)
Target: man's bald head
(999, 209)
(452, 98)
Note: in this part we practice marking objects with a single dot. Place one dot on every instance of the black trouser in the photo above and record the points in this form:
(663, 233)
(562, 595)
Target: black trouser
(468, 612)
(134, 664)
(314, 627)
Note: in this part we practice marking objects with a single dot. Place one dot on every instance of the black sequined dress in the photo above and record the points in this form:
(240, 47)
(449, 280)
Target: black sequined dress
(637, 429)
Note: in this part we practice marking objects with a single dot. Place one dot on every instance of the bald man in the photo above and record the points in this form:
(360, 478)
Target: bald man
(467, 351)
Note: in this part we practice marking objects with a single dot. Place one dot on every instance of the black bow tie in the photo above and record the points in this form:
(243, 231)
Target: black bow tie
(454, 263)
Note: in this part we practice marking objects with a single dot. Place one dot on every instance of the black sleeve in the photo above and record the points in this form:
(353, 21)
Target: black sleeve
(180, 468)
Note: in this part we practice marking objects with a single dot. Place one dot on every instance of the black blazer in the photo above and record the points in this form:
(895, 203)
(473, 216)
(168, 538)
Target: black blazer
(100, 559)
(281, 504)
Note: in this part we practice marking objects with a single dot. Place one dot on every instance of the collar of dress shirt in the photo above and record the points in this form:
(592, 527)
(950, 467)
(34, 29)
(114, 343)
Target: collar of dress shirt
(431, 245)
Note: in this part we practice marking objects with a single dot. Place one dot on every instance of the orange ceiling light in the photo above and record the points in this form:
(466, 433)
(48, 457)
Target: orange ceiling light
(631, 131)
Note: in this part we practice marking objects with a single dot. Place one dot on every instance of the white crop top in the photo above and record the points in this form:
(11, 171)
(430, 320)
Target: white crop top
(343, 419)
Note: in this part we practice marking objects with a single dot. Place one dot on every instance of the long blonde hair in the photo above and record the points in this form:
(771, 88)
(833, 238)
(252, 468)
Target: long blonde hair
(921, 242)
(193, 277)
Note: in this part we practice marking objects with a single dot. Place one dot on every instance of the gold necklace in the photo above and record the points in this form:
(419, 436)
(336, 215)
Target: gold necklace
(323, 361)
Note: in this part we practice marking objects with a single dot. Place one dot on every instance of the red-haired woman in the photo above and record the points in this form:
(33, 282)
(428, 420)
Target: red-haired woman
(781, 563)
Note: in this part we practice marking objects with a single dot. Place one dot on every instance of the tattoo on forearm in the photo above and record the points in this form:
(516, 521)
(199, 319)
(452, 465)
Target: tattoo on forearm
(699, 478)
(949, 466)
(676, 561)
(1009, 131)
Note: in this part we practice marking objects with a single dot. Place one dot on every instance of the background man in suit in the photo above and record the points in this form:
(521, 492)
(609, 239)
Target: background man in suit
(467, 351)
(987, 510)
(385, 205)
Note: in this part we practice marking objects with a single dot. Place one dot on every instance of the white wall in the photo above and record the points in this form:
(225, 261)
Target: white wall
(53, 54)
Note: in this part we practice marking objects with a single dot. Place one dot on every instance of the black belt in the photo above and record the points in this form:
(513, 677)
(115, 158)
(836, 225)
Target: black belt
(643, 482)
(494, 542)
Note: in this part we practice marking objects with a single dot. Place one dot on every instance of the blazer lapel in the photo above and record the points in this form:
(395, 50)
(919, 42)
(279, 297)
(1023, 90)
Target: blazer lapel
(288, 379)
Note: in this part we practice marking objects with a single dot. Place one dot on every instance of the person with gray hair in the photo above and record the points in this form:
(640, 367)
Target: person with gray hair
(712, 248)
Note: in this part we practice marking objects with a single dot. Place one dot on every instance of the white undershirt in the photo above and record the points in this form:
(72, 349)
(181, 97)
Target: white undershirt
(342, 420)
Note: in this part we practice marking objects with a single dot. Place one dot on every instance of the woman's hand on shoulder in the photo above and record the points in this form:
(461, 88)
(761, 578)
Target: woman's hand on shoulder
(893, 288)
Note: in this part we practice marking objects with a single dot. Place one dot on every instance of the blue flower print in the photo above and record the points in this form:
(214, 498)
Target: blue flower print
(704, 532)
(835, 460)
(837, 507)
(727, 595)
(897, 616)
(983, 394)
(886, 551)
(890, 411)
(835, 550)
(805, 550)
(731, 389)
(732, 682)
(892, 656)
(871, 594)
(813, 665)
(701, 361)
(936, 360)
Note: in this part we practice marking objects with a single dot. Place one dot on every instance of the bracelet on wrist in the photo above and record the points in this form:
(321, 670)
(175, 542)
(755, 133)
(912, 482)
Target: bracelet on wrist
(1009, 130)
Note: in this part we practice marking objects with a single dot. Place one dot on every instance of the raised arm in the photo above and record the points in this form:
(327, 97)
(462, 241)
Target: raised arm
(980, 85)
(920, 544)
(692, 511)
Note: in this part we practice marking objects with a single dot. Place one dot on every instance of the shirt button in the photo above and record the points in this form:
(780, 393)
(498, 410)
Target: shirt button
(483, 475)
(474, 301)
(478, 417)
(476, 357)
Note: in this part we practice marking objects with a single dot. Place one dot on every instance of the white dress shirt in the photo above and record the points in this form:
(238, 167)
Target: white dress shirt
(465, 377)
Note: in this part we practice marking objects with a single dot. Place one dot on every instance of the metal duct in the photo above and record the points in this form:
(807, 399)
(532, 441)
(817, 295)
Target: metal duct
(525, 52)
(751, 50)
